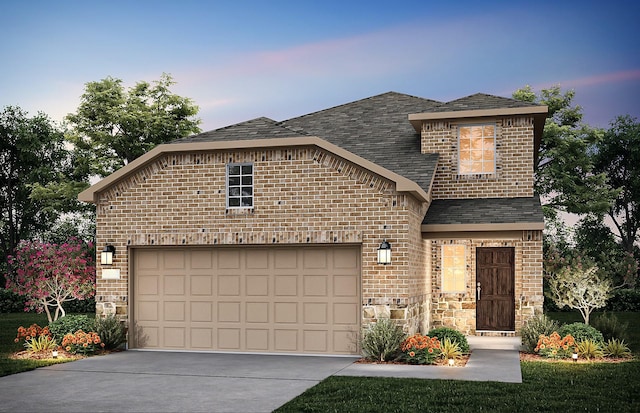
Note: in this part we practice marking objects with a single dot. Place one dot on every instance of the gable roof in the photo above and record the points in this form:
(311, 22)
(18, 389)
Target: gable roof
(483, 214)
(371, 132)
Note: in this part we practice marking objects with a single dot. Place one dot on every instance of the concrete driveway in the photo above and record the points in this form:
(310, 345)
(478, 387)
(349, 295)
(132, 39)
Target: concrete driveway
(146, 381)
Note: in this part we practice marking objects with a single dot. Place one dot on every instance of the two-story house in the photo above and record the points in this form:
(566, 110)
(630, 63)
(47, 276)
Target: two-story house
(289, 236)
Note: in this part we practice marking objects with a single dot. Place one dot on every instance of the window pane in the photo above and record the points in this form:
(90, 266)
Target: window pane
(247, 190)
(465, 144)
(247, 180)
(453, 268)
(247, 201)
(234, 202)
(234, 191)
(489, 131)
(234, 180)
(465, 132)
(234, 170)
(247, 169)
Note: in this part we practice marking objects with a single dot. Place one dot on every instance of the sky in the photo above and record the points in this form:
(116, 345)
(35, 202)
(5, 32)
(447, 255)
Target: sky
(280, 59)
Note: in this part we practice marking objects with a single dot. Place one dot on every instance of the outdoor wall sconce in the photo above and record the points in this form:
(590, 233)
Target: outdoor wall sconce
(107, 254)
(384, 253)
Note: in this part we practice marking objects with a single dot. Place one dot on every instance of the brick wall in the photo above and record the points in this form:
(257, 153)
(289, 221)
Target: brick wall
(514, 160)
(302, 196)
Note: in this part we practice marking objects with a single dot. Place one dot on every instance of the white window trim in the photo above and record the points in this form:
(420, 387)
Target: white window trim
(442, 269)
(495, 148)
(240, 164)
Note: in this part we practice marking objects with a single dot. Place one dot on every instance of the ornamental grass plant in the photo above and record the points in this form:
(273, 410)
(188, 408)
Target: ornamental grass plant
(381, 340)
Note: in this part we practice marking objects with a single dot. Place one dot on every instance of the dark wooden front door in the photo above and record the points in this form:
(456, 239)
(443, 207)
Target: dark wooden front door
(495, 285)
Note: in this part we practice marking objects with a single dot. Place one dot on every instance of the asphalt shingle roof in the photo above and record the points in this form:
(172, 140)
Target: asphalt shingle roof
(377, 129)
(481, 101)
(484, 211)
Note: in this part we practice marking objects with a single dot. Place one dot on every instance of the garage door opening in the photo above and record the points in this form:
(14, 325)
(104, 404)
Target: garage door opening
(251, 299)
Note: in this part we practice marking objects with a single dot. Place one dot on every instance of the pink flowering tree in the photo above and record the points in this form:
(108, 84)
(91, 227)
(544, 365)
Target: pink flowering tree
(51, 274)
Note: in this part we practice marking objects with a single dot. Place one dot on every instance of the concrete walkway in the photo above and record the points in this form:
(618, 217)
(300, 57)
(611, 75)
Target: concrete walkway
(492, 359)
(158, 381)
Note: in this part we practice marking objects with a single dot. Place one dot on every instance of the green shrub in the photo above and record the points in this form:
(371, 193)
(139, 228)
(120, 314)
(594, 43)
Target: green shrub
(381, 340)
(450, 349)
(581, 332)
(616, 348)
(80, 306)
(589, 349)
(452, 334)
(610, 327)
(534, 328)
(69, 324)
(10, 302)
(111, 331)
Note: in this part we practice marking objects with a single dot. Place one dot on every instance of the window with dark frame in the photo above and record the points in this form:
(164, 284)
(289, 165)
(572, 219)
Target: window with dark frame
(240, 185)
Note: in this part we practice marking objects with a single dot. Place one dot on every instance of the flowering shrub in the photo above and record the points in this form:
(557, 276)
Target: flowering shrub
(36, 338)
(419, 349)
(51, 274)
(554, 346)
(81, 342)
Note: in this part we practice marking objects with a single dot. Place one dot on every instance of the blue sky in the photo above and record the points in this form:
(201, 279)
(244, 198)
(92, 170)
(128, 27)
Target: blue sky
(243, 59)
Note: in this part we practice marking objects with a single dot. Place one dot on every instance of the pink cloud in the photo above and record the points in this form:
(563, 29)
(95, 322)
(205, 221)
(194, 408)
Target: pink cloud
(599, 79)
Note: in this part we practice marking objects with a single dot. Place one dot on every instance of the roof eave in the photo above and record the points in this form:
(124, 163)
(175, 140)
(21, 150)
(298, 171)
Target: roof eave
(416, 119)
(402, 184)
(512, 226)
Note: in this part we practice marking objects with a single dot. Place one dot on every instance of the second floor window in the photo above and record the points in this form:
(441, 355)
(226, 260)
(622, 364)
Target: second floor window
(477, 149)
(240, 185)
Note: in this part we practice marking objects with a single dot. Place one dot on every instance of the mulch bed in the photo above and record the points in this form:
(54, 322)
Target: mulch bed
(461, 362)
(536, 357)
(44, 355)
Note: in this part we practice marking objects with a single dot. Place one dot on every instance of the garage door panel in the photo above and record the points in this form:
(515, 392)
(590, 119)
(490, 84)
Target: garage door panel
(315, 285)
(285, 312)
(229, 285)
(201, 284)
(174, 260)
(148, 285)
(286, 259)
(257, 285)
(174, 284)
(228, 258)
(174, 311)
(202, 311)
(294, 300)
(286, 340)
(315, 341)
(345, 286)
(229, 338)
(257, 259)
(315, 313)
(201, 338)
(257, 312)
(257, 339)
(148, 311)
(174, 337)
(228, 312)
(286, 285)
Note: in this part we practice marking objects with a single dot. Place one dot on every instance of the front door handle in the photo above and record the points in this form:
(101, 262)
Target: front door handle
(478, 291)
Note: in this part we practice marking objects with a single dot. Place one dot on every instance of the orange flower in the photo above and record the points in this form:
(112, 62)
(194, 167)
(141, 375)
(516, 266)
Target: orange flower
(85, 345)
(17, 340)
(412, 354)
(430, 350)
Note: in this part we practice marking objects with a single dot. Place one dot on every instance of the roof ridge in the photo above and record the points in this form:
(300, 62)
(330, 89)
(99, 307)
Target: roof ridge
(391, 92)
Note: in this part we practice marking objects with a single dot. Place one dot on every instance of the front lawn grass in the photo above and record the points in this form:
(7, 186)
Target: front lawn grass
(546, 387)
(9, 324)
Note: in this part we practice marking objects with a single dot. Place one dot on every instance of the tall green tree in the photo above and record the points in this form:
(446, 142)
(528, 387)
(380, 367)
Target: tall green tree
(113, 126)
(32, 154)
(618, 157)
(565, 176)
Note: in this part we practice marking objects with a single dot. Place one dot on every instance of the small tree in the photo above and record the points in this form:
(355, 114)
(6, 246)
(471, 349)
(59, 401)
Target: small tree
(51, 274)
(578, 286)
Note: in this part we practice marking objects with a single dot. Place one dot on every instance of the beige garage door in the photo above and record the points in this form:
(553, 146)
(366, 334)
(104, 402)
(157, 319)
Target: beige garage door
(294, 300)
